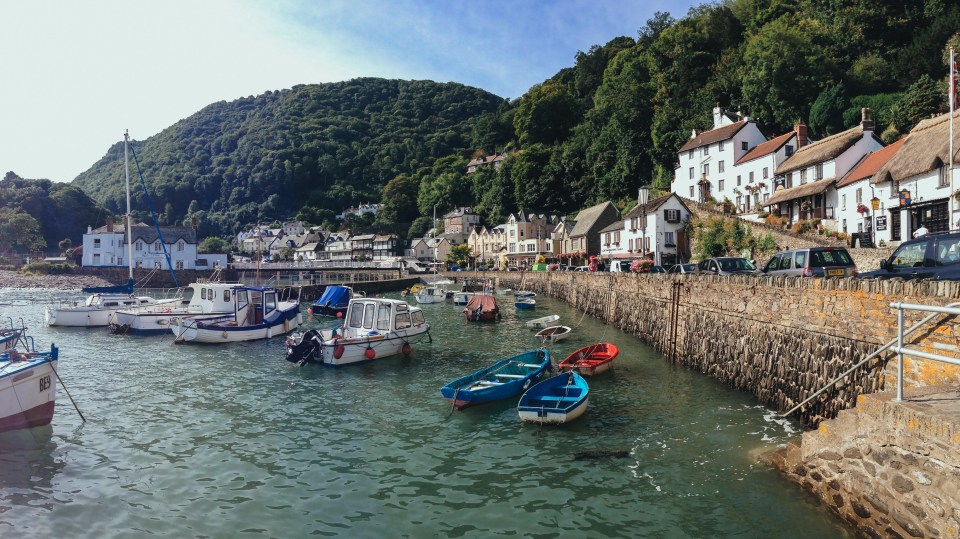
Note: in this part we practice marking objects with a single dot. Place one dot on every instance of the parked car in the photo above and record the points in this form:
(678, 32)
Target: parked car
(727, 265)
(683, 268)
(657, 269)
(812, 262)
(582, 268)
(933, 256)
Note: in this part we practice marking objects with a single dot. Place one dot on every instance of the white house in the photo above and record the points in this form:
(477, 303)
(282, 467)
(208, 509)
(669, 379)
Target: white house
(752, 181)
(107, 247)
(707, 160)
(804, 184)
(431, 249)
(654, 231)
(855, 192)
(338, 248)
(919, 171)
(527, 236)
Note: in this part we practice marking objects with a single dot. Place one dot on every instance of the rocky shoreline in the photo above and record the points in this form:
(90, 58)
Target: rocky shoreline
(13, 279)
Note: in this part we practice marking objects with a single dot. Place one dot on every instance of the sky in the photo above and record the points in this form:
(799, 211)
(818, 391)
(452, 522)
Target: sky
(77, 74)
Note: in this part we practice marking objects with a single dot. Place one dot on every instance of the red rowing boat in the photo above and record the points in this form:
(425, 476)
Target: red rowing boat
(590, 360)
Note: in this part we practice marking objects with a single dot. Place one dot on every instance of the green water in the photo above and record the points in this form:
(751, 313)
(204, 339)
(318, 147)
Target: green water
(233, 441)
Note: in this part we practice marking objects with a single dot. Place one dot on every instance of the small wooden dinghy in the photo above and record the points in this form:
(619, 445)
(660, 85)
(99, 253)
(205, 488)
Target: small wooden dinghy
(556, 400)
(553, 333)
(540, 323)
(525, 303)
(524, 294)
(590, 360)
(502, 380)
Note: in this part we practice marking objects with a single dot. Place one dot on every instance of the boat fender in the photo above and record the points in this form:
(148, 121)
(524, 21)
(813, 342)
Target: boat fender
(406, 349)
(338, 351)
(526, 384)
(370, 353)
(224, 334)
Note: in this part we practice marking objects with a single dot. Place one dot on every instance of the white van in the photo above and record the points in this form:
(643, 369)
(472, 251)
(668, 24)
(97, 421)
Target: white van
(620, 266)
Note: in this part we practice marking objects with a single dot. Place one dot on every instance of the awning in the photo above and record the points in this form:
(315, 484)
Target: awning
(812, 188)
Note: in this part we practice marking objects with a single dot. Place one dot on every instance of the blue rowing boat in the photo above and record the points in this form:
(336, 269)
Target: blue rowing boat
(555, 400)
(525, 303)
(502, 380)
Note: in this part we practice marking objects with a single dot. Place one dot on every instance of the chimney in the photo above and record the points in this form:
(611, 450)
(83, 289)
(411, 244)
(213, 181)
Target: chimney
(110, 224)
(693, 133)
(866, 119)
(801, 130)
(717, 115)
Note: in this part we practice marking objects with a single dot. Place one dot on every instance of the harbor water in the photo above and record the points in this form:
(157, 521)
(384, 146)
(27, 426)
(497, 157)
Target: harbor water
(234, 441)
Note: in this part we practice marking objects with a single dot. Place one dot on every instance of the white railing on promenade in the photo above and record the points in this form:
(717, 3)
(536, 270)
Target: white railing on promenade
(904, 351)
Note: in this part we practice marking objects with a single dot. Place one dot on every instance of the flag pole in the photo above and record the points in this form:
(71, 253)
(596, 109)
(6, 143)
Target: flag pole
(953, 96)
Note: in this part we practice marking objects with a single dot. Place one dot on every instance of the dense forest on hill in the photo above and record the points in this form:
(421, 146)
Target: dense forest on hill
(595, 131)
(262, 158)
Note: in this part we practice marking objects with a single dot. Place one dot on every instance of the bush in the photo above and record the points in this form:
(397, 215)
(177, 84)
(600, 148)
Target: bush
(802, 227)
(46, 268)
(763, 214)
(641, 265)
(773, 220)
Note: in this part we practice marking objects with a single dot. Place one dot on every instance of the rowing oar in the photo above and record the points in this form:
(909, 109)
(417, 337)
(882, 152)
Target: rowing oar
(75, 407)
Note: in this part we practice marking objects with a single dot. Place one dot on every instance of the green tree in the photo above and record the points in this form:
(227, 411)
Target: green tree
(459, 255)
(545, 114)
(826, 114)
(399, 199)
(922, 99)
(213, 244)
(19, 232)
(419, 227)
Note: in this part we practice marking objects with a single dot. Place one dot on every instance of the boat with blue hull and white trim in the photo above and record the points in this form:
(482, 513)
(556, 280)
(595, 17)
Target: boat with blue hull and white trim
(373, 328)
(258, 313)
(28, 386)
(502, 380)
(555, 401)
(208, 301)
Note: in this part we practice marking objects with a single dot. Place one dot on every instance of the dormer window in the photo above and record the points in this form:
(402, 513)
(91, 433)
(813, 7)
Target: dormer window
(743, 146)
(788, 150)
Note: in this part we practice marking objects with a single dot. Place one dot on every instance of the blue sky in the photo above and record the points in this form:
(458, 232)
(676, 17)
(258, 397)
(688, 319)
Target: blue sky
(76, 74)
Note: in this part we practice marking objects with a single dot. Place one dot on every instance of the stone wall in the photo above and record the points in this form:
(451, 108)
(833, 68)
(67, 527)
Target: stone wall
(780, 338)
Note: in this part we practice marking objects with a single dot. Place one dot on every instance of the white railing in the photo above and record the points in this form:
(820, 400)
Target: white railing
(904, 351)
(316, 264)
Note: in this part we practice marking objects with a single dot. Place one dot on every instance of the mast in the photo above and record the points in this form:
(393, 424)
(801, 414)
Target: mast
(126, 167)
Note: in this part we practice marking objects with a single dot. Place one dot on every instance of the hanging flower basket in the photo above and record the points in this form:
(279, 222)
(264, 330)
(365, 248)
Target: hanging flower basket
(805, 205)
(861, 209)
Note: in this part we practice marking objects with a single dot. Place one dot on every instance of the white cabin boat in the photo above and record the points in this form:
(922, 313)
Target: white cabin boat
(207, 301)
(28, 387)
(374, 328)
(257, 314)
(99, 310)
(431, 294)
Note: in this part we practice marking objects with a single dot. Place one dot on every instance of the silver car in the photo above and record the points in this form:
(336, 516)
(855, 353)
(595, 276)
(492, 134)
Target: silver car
(812, 262)
(727, 265)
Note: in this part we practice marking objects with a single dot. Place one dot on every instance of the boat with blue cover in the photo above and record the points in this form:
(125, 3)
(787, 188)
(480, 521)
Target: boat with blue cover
(502, 380)
(555, 400)
(333, 302)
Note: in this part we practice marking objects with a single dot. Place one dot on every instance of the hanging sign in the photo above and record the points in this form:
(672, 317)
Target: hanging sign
(882, 222)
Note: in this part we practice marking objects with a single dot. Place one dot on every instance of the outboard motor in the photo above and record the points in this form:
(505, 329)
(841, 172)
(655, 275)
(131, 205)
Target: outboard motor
(307, 350)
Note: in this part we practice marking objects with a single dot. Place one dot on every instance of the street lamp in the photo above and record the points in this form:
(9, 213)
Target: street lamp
(644, 195)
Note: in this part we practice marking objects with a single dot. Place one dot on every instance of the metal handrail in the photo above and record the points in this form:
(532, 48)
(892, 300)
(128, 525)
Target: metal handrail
(901, 350)
(951, 308)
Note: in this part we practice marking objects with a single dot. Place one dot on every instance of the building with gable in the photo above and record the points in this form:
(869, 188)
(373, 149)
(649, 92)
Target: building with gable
(654, 231)
(855, 194)
(752, 181)
(477, 163)
(585, 234)
(107, 247)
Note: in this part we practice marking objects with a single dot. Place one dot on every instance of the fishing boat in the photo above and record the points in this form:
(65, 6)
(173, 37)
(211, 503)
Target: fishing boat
(540, 323)
(430, 294)
(482, 308)
(9, 337)
(258, 313)
(461, 298)
(28, 386)
(525, 303)
(208, 301)
(590, 360)
(502, 380)
(553, 333)
(374, 328)
(556, 400)
(99, 308)
(333, 302)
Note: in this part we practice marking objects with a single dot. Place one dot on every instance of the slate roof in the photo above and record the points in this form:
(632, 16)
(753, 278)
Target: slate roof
(587, 218)
(714, 135)
(652, 206)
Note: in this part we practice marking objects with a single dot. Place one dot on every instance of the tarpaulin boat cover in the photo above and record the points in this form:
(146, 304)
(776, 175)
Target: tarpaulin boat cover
(334, 296)
(481, 303)
(114, 289)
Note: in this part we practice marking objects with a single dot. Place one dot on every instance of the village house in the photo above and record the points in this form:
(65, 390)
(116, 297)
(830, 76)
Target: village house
(107, 247)
(919, 173)
(386, 246)
(805, 184)
(487, 244)
(653, 230)
(362, 209)
(856, 196)
(431, 249)
(527, 235)
(362, 247)
(706, 161)
(484, 161)
(561, 244)
(339, 248)
(585, 234)
(751, 184)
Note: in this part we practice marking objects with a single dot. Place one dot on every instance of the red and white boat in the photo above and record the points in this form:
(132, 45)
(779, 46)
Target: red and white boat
(482, 308)
(28, 385)
(590, 360)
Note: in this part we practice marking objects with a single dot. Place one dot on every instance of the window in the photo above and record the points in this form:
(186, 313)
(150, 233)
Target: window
(743, 146)
(944, 178)
(720, 166)
(818, 172)
(179, 264)
(720, 146)
(803, 176)
(789, 181)
(788, 150)
(895, 192)
(909, 255)
(96, 243)
(671, 216)
(138, 245)
(513, 233)
(96, 259)
(691, 173)
(616, 237)
(418, 318)
(740, 202)
(766, 196)
(383, 317)
(750, 179)
(720, 185)
(691, 191)
(270, 302)
(513, 246)
(368, 312)
(402, 321)
(156, 246)
(766, 172)
(860, 196)
(706, 169)
(706, 150)
(180, 245)
(226, 295)
(690, 154)
(531, 247)
(843, 202)
(738, 180)
(203, 293)
(668, 239)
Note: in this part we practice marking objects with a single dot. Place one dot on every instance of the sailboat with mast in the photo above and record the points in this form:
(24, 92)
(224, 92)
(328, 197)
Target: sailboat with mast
(100, 307)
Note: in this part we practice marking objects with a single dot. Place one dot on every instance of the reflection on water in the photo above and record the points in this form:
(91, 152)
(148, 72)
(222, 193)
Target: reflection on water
(224, 441)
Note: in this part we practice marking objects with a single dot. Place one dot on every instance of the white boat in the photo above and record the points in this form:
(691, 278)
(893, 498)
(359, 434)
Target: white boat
(540, 323)
(504, 291)
(430, 294)
(524, 294)
(461, 298)
(555, 401)
(373, 328)
(209, 301)
(28, 386)
(99, 308)
(553, 333)
(257, 314)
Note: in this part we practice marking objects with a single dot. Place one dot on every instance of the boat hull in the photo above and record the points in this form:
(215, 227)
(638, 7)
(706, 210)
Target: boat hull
(553, 416)
(502, 380)
(156, 323)
(590, 360)
(542, 323)
(213, 332)
(91, 315)
(555, 401)
(526, 305)
(553, 334)
(27, 392)
(355, 350)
